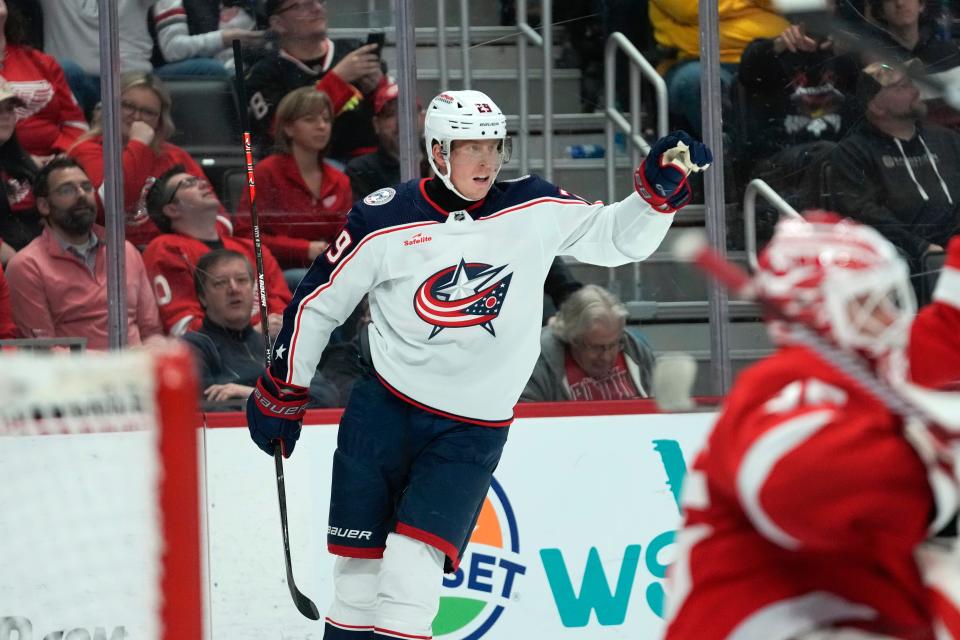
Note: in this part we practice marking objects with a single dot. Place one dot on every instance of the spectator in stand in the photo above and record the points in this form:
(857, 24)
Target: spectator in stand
(49, 120)
(345, 70)
(906, 31)
(934, 349)
(909, 32)
(795, 102)
(381, 168)
(145, 127)
(676, 27)
(799, 90)
(587, 354)
(176, 42)
(185, 208)
(229, 351)
(71, 31)
(895, 173)
(8, 329)
(58, 281)
(302, 201)
(19, 220)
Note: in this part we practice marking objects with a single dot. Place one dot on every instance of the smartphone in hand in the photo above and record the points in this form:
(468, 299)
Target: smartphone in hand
(377, 38)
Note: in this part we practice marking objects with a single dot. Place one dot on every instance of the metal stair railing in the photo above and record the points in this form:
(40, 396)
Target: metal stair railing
(631, 130)
(442, 65)
(545, 41)
(638, 64)
(754, 188)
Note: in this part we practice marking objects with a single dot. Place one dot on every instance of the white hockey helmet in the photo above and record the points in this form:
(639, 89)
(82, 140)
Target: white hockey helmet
(463, 115)
(842, 277)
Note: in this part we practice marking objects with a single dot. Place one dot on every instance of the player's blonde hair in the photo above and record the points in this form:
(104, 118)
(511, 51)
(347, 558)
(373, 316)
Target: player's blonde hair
(584, 308)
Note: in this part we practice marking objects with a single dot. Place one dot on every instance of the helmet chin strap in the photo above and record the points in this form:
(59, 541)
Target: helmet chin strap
(445, 178)
(448, 183)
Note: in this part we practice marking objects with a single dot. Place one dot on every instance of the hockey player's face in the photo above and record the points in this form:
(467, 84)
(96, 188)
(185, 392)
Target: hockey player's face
(596, 350)
(474, 165)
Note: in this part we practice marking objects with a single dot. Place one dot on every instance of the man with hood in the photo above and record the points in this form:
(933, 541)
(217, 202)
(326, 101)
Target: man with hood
(895, 173)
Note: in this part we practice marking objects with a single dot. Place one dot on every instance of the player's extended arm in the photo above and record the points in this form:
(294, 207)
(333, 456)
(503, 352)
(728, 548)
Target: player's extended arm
(633, 228)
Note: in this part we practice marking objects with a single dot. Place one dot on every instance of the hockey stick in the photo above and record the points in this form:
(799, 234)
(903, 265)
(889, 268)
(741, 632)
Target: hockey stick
(938, 411)
(304, 604)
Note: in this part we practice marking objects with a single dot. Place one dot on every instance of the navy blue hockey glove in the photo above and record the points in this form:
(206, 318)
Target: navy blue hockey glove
(661, 179)
(275, 412)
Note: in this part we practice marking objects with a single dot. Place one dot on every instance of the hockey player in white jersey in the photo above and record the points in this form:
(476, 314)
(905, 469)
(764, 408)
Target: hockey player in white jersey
(454, 267)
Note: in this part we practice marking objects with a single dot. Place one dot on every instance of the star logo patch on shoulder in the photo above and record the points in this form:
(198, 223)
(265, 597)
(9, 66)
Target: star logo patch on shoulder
(380, 196)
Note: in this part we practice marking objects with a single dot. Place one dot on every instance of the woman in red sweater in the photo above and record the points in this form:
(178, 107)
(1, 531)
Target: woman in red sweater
(145, 127)
(302, 201)
(49, 120)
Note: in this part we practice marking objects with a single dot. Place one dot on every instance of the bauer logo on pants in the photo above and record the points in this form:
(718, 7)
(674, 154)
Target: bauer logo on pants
(480, 591)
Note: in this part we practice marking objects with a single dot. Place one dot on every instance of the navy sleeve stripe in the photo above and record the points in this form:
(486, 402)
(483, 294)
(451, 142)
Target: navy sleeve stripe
(323, 287)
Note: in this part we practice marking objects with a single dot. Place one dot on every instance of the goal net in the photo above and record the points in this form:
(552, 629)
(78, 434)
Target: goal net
(99, 506)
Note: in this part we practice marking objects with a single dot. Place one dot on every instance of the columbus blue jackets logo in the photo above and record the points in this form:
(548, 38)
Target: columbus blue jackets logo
(465, 295)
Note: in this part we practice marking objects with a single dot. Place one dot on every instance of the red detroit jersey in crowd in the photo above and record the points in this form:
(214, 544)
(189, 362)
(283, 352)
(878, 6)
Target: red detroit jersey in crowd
(290, 214)
(51, 120)
(171, 259)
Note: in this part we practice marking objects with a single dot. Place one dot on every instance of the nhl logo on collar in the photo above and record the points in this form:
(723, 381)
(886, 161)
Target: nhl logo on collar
(380, 196)
(465, 295)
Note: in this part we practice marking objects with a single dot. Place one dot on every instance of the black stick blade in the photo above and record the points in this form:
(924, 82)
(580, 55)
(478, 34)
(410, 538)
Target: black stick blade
(304, 604)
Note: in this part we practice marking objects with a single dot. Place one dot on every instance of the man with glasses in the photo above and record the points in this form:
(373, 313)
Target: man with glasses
(58, 282)
(184, 208)
(587, 354)
(454, 267)
(345, 70)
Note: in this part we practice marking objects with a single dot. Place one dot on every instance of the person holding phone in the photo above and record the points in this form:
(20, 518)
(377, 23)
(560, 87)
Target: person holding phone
(346, 70)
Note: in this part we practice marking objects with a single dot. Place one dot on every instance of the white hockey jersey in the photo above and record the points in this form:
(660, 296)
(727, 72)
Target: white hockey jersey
(456, 299)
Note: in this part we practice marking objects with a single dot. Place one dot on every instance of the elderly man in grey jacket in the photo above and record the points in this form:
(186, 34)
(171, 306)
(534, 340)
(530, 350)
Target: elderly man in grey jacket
(586, 353)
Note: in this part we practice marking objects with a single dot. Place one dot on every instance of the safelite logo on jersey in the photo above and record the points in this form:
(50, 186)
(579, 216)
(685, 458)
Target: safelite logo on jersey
(479, 592)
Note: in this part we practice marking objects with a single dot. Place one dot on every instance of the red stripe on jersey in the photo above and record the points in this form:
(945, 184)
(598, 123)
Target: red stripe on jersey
(324, 287)
(350, 627)
(365, 553)
(444, 546)
(439, 412)
(167, 14)
(397, 634)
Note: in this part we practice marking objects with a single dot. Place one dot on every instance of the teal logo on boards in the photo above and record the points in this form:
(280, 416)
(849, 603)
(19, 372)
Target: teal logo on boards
(609, 596)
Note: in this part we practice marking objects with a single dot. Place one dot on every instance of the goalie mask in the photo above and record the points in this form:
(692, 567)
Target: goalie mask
(463, 115)
(842, 278)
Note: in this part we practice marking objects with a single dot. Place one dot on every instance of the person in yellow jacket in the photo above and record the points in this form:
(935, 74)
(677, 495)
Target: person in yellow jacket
(676, 27)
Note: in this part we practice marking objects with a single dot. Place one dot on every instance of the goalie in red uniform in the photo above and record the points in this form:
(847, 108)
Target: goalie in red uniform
(935, 336)
(806, 509)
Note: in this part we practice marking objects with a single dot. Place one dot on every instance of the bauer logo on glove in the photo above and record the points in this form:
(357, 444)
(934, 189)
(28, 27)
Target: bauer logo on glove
(661, 179)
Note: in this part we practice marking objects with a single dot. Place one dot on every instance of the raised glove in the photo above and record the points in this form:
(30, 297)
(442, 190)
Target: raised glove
(275, 412)
(661, 179)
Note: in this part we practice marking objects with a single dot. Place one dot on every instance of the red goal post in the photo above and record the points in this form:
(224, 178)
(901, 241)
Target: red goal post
(99, 497)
